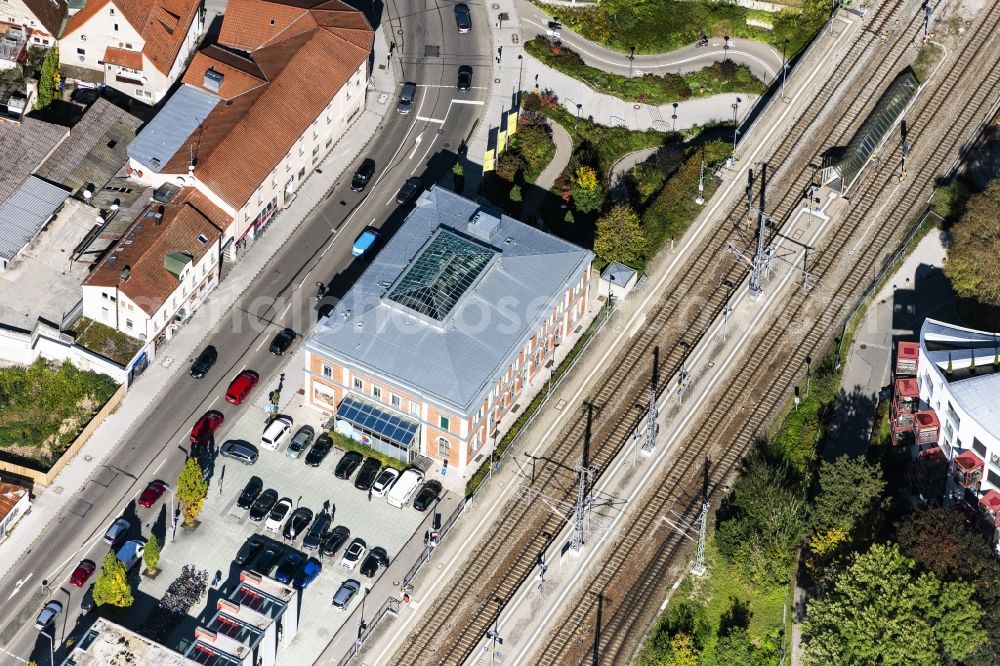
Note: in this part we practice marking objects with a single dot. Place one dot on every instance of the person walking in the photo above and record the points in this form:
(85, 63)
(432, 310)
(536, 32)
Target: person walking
(369, 494)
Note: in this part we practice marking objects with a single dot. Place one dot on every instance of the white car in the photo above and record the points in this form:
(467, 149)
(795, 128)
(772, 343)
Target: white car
(384, 481)
(354, 553)
(275, 433)
(278, 514)
(48, 614)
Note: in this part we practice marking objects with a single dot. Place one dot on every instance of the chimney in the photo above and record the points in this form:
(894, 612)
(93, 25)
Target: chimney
(212, 80)
(126, 272)
(159, 216)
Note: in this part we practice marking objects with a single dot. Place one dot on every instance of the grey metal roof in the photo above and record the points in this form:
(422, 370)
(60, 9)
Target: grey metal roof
(618, 273)
(456, 360)
(25, 212)
(23, 148)
(170, 128)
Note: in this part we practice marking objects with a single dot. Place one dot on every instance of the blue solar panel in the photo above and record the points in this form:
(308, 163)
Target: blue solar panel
(378, 422)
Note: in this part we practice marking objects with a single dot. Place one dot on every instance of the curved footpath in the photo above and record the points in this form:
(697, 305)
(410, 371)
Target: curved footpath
(546, 179)
(616, 179)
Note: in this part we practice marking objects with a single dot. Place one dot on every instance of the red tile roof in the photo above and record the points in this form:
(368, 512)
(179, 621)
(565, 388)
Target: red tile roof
(10, 495)
(991, 499)
(123, 58)
(50, 13)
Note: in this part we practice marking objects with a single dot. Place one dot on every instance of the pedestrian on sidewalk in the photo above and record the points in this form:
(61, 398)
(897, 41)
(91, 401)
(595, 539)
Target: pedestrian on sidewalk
(369, 494)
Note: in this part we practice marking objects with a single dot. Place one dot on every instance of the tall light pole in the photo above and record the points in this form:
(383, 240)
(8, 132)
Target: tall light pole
(700, 199)
(520, 70)
(579, 107)
(784, 67)
(725, 48)
(494, 635)
(492, 451)
(674, 117)
(361, 621)
(173, 514)
(736, 124)
(631, 60)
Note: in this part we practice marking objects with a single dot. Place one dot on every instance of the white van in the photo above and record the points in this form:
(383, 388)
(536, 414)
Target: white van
(275, 433)
(404, 488)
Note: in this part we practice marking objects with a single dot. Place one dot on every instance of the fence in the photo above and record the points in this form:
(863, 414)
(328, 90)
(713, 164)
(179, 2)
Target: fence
(392, 605)
(425, 555)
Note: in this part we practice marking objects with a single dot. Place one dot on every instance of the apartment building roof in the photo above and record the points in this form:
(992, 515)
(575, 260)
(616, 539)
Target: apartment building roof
(50, 13)
(24, 147)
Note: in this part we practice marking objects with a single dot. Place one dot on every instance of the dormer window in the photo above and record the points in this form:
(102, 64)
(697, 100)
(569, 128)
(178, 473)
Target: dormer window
(113, 13)
(203, 239)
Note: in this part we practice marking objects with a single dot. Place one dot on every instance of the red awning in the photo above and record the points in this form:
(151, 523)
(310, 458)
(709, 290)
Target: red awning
(991, 500)
(968, 461)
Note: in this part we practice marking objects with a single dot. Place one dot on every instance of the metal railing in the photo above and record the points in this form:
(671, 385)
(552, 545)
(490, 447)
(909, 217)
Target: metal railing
(391, 605)
(428, 548)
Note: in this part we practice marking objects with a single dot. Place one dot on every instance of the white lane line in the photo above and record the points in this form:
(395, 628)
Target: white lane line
(262, 342)
(474, 102)
(430, 120)
(163, 461)
(212, 404)
(285, 311)
(441, 85)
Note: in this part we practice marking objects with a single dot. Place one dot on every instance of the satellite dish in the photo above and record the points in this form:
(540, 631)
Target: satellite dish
(87, 194)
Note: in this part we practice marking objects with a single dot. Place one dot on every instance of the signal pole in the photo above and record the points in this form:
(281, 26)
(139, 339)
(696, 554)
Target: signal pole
(700, 199)
(583, 505)
(699, 567)
(649, 441)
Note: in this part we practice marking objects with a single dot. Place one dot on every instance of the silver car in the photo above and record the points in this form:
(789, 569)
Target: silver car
(300, 442)
(342, 598)
(406, 97)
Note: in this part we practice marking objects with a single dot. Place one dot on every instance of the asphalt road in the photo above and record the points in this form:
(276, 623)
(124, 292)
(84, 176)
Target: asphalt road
(422, 144)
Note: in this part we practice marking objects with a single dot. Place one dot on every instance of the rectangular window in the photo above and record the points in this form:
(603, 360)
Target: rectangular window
(444, 447)
(358, 384)
(104, 295)
(993, 478)
(377, 392)
(83, 38)
(315, 151)
(104, 313)
(80, 51)
(113, 299)
(329, 142)
(396, 402)
(979, 447)
(128, 323)
(116, 27)
(328, 372)
(444, 422)
(414, 409)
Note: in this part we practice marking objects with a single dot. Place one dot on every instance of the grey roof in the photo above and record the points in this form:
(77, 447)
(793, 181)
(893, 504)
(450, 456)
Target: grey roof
(23, 147)
(24, 213)
(618, 273)
(170, 128)
(455, 359)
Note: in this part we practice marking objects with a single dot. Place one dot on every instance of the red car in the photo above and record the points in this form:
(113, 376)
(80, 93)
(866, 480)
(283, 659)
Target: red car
(206, 426)
(153, 492)
(241, 386)
(84, 570)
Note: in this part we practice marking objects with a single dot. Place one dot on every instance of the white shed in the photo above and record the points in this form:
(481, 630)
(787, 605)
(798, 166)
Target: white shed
(617, 280)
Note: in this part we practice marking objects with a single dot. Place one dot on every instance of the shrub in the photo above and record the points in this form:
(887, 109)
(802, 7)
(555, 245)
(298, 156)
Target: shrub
(151, 555)
(619, 237)
(192, 489)
(112, 586)
(347, 444)
(587, 193)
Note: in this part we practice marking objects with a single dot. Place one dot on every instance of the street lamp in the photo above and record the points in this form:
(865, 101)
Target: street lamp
(361, 621)
(631, 60)
(725, 48)
(52, 648)
(784, 67)
(492, 451)
(173, 513)
(674, 118)
(520, 69)
(736, 124)
(578, 108)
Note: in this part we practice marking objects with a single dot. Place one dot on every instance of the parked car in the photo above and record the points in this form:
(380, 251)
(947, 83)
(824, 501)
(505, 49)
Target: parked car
(297, 524)
(204, 362)
(427, 495)
(237, 449)
(320, 448)
(204, 429)
(365, 241)
(406, 96)
(130, 553)
(354, 553)
(348, 464)
(282, 341)
(116, 531)
(250, 492)
(276, 432)
(248, 550)
(404, 488)
(384, 481)
(152, 493)
(88, 603)
(343, 596)
(86, 96)
(317, 531)
(409, 190)
(464, 77)
(49, 613)
(377, 560)
(301, 440)
(307, 574)
(337, 538)
(265, 562)
(363, 174)
(277, 515)
(84, 570)
(366, 476)
(241, 385)
(263, 505)
(463, 18)
(289, 564)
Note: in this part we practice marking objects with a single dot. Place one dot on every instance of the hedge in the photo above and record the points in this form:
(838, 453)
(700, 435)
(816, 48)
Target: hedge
(347, 444)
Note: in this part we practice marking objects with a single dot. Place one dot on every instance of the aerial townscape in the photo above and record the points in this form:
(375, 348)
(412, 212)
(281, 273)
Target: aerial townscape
(500, 333)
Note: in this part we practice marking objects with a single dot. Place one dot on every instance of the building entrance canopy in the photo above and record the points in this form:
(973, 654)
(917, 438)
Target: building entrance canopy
(372, 420)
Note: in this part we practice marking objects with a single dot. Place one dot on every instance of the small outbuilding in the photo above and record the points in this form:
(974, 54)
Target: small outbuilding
(617, 280)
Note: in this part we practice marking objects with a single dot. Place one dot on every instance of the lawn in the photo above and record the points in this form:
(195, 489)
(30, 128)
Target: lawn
(106, 341)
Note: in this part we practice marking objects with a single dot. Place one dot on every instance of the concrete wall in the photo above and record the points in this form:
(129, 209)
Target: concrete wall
(47, 342)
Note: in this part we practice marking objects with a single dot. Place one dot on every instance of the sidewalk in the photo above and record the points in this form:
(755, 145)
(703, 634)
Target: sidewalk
(51, 502)
(546, 179)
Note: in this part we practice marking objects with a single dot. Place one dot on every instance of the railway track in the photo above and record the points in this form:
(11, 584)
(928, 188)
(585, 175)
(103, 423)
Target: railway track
(503, 561)
(729, 428)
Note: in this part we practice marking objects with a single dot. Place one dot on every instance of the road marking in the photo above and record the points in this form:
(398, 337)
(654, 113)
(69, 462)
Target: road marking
(416, 144)
(285, 311)
(18, 584)
(262, 342)
(5, 651)
(165, 460)
(441, 85)
(211, 404)
(474, 102)
(430, 120)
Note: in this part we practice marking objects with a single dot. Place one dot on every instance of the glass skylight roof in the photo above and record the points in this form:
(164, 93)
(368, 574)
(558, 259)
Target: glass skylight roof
(440, 274)
(386, 425)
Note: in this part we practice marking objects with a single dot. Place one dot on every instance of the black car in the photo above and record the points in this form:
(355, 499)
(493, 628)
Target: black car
(320, 448)
(377, 559)
(409, 190)
(204, 362)
(248, 551)
(363, 174)
(462, 18)
(366, 477)
(87, 603)
(317, 531)
(267, 559)
(348, 464)
(282, 341)
(464, 77)
(262, 506)
(297, 524)
(427, 495)
(250, 492)
(337, 538)
(290, 563)
(85, 95)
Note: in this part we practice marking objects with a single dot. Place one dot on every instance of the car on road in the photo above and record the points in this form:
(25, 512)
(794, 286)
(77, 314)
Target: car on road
(84, 570)
(301, 440)
(463, 18)
(406, 96)
(384, 481)
(297, 524)
(206, 359)
(307, 574)
(130, 553)
(241, 385)
(289, 564)
(317, 531)
(263, 505)
(337, 538)
(342, 597)
(464, 77)
(365, 241)
(88, 603)
(152, 493)
(49, 613)
(409, 190)
(205, 427)
(237, 449)
(348, 464)
(268, 557)
(377, 560)
(248, 551)
(320, 449)
(277, 515)
(366, 476)
(116, 531)
(276, 432)
(354, 553)
(427, 495)
(363, 175)
(250, 492)
(282, 341)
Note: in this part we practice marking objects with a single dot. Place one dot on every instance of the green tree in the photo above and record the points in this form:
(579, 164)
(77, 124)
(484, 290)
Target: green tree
(534, 144)
(48, 80)
(112, 586)
(568, 217)
(972, 266)
(619, 236)
(191, 490)
(515, 194)
(587, 193)
(850, 492)
(151, 556)
(881, 611)
(684, 652)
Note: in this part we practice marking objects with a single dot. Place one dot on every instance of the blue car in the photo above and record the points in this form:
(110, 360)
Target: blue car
(364, 242)
(307, 574)
(288, 567)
